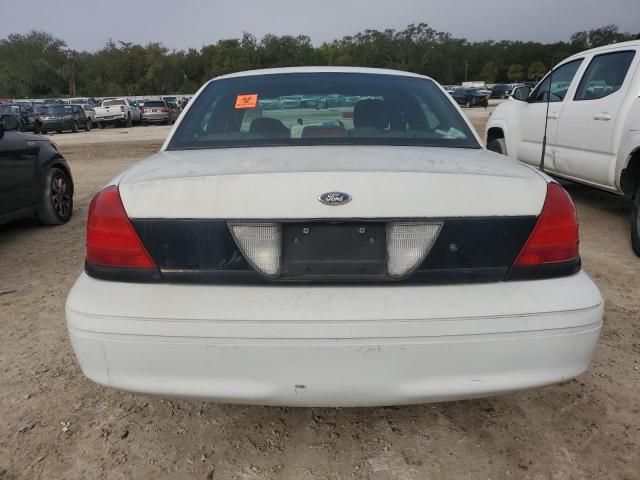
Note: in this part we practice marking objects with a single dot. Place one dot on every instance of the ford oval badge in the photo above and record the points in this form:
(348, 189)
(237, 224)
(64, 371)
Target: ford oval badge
(335, 198)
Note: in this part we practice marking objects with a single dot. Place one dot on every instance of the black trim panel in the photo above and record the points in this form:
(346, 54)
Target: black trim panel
(548, 270)
(467, 250)
(117, 274)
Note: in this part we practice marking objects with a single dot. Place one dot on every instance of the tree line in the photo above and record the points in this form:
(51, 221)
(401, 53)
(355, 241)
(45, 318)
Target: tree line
(37, 64)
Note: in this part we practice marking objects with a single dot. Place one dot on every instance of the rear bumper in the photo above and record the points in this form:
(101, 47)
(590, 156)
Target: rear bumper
(156, 117)
(334, 346)
(112, 118)
(53, 125)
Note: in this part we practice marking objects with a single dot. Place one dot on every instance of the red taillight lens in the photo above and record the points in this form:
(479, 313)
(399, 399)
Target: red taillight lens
(165, 109)
(111, 239)
(555, 236)
(145, 110)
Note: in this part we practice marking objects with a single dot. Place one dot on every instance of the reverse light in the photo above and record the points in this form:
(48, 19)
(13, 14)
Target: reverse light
(408, 244)
(555, 236)
(261, 244)
(111, 239)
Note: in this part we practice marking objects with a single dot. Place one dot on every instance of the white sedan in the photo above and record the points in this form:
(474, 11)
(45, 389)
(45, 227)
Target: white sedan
(370, 252)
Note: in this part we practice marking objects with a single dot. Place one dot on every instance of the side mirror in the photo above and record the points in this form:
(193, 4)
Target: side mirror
(521, 93)
(8, 122)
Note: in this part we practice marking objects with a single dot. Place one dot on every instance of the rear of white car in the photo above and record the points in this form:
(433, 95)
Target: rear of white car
(366, 255)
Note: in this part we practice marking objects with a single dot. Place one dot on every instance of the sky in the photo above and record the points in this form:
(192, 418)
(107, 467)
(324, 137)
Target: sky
(181, 24)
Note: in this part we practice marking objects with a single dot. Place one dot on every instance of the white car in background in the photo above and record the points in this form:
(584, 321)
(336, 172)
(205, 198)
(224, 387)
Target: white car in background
(89, 110)
(380, 257)
(593, 130)
(117, 111)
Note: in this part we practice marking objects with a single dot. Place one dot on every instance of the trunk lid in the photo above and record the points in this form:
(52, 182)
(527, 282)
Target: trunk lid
(286, 183)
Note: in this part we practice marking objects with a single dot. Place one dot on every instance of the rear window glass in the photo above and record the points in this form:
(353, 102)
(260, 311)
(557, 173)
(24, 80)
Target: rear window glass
(322, 108)
(110, 103)
(154, 104)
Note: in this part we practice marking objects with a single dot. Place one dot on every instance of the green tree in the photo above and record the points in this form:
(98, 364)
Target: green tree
(515, 72)
(489, 72)
(536, 71)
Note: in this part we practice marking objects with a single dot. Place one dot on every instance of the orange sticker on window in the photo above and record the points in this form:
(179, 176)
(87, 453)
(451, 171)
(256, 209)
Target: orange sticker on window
(247, 101)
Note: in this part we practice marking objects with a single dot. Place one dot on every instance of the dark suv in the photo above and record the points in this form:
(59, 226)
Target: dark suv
(35, 180)
(24, 113)
(64, 117)
(500, 90)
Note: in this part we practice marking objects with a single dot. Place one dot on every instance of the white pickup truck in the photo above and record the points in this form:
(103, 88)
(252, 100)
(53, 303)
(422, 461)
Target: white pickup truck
(593, 130)
(119, 111)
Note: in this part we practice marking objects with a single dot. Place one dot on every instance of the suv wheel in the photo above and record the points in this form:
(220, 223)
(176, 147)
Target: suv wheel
(87, 125)
(497, 145)
(56, 204)
(74, 128)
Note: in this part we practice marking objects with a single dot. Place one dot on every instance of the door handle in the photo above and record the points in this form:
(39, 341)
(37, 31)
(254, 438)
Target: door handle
(603, 116)
(553, 116)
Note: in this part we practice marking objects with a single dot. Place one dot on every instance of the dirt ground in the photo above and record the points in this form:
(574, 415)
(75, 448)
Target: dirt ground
(56, 424)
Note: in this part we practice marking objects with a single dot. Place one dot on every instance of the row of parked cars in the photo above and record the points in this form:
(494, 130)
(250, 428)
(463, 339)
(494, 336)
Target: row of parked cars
(478, 96)
(54, 115)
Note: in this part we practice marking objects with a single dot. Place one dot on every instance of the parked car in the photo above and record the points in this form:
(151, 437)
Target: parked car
(500, 90)
(90, 112)
(174, 110)
(470, 97)
(64, 117)
(34, 177)
(384, 257)
(593, 131)
(156, 111)
(24, 114)
(117, 111)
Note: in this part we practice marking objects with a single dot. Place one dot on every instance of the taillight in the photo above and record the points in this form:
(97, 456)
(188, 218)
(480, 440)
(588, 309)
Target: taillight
(165, 109)
(555, 236)
(111, 239)
(144, 110)
(122, 108)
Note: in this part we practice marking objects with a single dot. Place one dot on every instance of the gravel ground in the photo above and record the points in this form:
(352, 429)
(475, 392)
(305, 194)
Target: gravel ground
(55, 424)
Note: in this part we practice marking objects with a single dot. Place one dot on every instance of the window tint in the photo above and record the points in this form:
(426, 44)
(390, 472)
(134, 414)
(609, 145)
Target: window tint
(560, 79)
(605, 75)
(112, 103)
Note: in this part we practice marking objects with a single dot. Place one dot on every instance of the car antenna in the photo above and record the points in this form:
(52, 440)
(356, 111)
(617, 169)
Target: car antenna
(546, 124)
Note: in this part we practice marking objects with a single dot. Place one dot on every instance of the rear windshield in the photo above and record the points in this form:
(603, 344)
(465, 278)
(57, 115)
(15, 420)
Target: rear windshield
(154, 104)
(111, 103)
(322, 108)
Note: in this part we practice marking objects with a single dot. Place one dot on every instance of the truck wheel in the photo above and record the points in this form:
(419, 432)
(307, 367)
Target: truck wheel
(129, 123)
(497, 145)
(100, 124)
(74, 128)
(635, 223)
(56, 204)
(87, 125)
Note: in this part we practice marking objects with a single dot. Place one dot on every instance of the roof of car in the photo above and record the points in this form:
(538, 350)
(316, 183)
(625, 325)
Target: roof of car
(605, 48)
(283, 71)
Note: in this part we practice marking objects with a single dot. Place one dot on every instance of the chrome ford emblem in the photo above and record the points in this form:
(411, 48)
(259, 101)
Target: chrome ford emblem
(335, 198)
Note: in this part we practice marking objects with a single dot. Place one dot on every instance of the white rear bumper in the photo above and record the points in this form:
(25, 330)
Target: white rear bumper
(334, 346)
